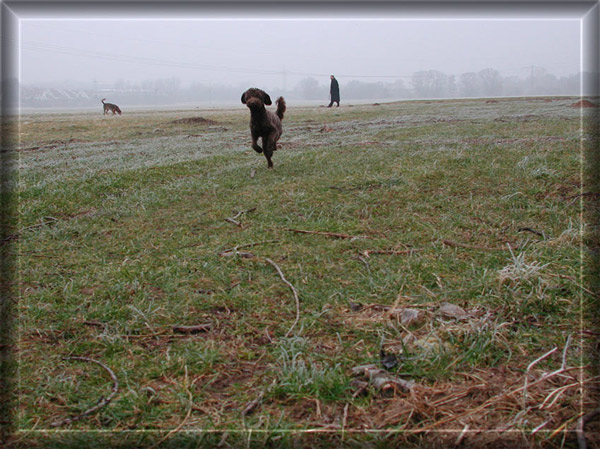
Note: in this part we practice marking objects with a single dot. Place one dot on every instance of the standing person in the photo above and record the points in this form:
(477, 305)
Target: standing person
(334, 92)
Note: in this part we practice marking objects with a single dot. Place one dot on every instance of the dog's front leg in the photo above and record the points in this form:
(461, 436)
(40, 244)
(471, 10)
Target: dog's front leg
(255, 146)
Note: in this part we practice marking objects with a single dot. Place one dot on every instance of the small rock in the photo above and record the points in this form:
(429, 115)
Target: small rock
(452, 311)
(388, 361)
(407, 316)
(355, 306)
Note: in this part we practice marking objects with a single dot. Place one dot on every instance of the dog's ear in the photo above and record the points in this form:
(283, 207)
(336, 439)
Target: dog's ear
(244, 98)
(267, 99)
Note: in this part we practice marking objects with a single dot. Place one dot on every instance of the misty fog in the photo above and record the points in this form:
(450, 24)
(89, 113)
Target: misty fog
(75, 63)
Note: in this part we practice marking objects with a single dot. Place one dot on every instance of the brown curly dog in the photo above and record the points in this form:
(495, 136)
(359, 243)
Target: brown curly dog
(263, 123)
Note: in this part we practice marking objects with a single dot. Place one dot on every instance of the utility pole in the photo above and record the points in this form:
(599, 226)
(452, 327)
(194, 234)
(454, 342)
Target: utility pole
(532, 68)
(284, 77)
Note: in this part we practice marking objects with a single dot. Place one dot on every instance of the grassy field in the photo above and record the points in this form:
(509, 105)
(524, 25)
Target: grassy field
(447, 233)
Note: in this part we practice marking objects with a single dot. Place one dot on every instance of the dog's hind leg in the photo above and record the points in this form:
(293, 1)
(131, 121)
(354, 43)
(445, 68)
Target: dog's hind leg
(270, 146)
(268, 155)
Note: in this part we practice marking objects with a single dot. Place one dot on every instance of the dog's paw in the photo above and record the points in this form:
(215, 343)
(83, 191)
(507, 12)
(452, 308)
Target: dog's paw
(257, 148)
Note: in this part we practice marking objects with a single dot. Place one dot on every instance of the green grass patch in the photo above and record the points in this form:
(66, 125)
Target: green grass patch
(124, 225)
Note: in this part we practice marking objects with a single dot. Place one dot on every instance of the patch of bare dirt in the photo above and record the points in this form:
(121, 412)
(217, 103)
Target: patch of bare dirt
(584, 104)
(194, 121)
(51, 145)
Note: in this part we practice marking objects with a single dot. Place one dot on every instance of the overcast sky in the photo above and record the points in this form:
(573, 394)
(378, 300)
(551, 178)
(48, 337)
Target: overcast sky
(280, 52)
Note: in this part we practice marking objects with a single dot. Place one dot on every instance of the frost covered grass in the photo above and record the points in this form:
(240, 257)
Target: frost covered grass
(132, 226)
(519, 270)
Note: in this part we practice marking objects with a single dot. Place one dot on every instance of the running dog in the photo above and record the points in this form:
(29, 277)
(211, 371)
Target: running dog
(264, 124)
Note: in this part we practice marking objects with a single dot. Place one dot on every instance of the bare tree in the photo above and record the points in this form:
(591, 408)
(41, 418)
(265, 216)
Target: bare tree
(491, 82)
(433, 84)
(470, 85)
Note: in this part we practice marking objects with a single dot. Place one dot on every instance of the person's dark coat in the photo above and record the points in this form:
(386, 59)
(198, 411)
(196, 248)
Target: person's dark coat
(334, 90)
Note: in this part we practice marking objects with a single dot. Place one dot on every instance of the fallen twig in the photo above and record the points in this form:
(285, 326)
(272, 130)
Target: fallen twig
(378, 307)
(574, 197)
(251, 406)
(555, 394)
(43, 223)
(392, 252)
(361, 387)
(239, 214)
(531, 365)
(294, 291)
(327, 234)
(16, 235)
(541, 426)
(581, 441)
(232, 251)
(234, 221)
(192, 329)
(463, 245)
(210, 292)
(94, 323)
(163, 333)
(345, 417)
(461, 435)
(193, 245)
(242, 254)
(533, 231)
(365, 261)
(101, 403)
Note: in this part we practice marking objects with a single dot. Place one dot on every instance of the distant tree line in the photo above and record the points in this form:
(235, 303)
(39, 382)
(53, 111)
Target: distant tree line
(421, 85)
(489, 83)
(436, 84)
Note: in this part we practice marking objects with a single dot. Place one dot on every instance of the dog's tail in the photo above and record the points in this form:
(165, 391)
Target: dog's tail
(280, 107)
(103, 100)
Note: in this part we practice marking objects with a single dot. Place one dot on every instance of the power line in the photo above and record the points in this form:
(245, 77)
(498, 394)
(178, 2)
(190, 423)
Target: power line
(135, 59)
(532, 68)
(195, 46)
(39, 46)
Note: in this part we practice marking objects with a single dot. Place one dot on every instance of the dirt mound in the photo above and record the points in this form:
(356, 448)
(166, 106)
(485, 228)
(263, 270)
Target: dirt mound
(584, 104)
(194, 121)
